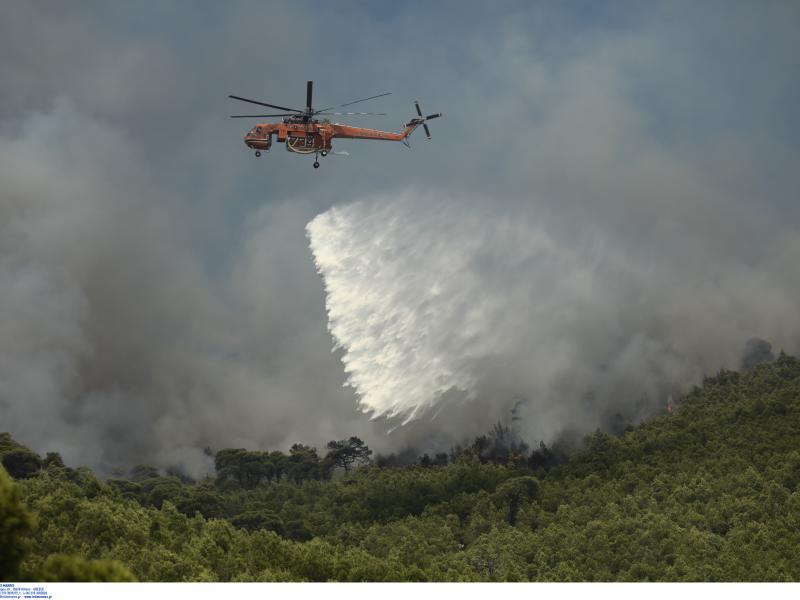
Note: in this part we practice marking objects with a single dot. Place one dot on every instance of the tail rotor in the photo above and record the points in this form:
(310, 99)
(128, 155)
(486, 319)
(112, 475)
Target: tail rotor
(422, 119)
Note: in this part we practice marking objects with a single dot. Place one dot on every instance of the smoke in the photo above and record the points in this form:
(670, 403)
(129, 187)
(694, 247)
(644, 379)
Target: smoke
(440, 300)
(756, 352)
(98, 302)
(116, 346)
(610, 214)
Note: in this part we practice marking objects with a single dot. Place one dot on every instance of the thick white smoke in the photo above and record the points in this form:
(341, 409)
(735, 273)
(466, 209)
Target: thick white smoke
(433, 299)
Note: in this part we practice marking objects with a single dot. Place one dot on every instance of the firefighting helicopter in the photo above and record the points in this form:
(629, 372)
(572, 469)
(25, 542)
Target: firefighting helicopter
(304, 133)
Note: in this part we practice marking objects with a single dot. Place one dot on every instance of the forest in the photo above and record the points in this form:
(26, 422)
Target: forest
(707, 492)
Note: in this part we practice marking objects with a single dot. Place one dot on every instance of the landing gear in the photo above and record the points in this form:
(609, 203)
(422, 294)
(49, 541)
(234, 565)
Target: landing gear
(316, 164)
(324, 153)
(258, 153)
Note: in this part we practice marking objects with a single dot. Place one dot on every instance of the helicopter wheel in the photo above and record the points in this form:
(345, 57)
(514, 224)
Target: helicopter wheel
(316, 164)
(258, 154)
(324, 153)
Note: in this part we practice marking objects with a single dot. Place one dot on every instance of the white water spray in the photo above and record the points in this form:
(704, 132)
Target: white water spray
(430, 299)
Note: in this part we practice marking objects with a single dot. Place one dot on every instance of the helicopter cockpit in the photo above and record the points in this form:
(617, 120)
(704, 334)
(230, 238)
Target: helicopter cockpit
(258, 139)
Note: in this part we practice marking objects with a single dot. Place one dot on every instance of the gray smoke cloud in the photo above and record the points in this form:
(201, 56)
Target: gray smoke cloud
(606, 213)
(116, 345)
(756, 352)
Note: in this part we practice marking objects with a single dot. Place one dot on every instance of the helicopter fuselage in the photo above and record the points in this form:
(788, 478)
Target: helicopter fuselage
(313, 136)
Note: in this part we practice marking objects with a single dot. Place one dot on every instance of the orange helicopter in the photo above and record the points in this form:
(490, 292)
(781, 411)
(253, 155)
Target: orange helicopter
(304, 133)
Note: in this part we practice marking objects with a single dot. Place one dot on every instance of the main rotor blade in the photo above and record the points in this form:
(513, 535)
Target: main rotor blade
(257, 116)
(355, 101)
(350, 113)
(436, 116)
(265, 104)
(427, 131)
(309, 92)
(416, 104)
(365, 99)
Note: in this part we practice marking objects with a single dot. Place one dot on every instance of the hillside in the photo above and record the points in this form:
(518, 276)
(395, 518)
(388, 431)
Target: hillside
(708, 492)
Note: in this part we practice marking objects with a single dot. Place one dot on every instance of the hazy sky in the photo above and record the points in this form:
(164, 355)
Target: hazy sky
(607, 211)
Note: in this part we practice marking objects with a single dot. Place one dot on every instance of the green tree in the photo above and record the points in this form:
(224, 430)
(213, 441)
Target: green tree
(63, 568)
(303, 464)
(142, 472)
(244, 467)
(347, 453)
(53, 460)
(513, 493)
(203, 499)
(15, 523)
(22, 463)
(253, 520)
(160, 489)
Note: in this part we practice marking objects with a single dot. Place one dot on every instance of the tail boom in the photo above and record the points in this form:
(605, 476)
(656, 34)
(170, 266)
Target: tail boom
(361, 133)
